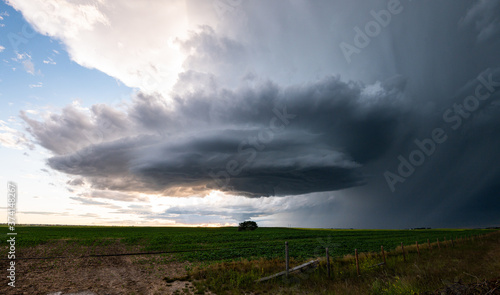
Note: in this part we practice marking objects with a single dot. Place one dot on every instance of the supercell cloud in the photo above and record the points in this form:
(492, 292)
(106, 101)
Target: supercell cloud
(265, 102)
(260, 140)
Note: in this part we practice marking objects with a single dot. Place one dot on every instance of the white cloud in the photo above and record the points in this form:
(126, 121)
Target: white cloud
(132, 41)
(37, 85)
(215, 208)
(2, 48)
(29, 67)
(25, 60)
(12, 138)
(49, 61)
(21, 56)
(221, 208)
(146, 44)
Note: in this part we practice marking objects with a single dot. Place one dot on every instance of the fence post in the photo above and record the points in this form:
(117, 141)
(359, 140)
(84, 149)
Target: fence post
(383, 254)
(418, 250)
(287, 267)
(403, 249)
(327, 263)
(357, 262)
(439, 246)
(429, 244)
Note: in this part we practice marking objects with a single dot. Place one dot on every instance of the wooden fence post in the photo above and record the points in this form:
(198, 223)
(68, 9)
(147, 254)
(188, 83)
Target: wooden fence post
(418, 250)
(357, 262)
(287, 266)
(327, 263)
(429, 244)
(403, 249)
(439, 246)
(383, 254)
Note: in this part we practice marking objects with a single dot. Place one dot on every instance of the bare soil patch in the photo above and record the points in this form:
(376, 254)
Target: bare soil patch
(141, 274)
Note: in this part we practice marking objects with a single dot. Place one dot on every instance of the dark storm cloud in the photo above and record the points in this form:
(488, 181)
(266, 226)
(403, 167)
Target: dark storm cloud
(456, 184)
(256, 140)
(419, 71)
(60, 133)
(484, 16)
(76, 182)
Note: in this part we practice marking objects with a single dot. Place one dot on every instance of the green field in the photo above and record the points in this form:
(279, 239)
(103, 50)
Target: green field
(214, 244)
(224, 260)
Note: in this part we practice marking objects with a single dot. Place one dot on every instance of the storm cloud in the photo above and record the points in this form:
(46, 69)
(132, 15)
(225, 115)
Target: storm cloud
(267, 104)
(257, 141)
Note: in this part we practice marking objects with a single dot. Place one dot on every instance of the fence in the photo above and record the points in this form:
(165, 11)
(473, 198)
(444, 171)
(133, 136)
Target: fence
(315, 263)
(127, 254)
(311, 264)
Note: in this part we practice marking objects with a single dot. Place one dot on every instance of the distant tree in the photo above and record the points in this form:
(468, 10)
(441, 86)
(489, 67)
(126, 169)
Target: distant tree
(247, 225)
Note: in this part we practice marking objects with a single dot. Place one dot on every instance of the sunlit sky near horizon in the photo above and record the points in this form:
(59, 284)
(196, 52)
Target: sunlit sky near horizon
(343, 114)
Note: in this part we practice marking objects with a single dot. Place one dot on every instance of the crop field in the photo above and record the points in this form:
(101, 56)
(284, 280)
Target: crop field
(227, 243)
(170, 260)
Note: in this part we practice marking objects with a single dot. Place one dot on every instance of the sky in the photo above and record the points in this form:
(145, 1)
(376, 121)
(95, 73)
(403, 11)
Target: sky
(322, 114)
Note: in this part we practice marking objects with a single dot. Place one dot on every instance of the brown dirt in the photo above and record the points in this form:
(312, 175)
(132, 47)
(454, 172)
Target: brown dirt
(143, 274)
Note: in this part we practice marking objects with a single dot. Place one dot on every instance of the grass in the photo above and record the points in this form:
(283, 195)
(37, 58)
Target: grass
(236, 259)
(466, 262)
(228, 243)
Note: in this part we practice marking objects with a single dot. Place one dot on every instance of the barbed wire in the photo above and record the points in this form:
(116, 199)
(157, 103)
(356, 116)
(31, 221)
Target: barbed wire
(128, 254)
